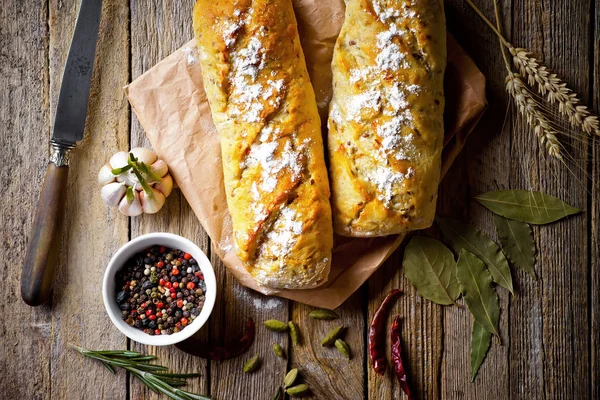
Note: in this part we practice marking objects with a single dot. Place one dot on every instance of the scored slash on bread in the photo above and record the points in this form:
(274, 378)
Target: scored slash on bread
(264, 108)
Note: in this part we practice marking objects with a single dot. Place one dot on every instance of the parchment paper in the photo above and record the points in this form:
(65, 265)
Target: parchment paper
(171, 105)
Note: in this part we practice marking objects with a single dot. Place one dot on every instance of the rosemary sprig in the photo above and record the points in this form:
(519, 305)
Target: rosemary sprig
(152, 375)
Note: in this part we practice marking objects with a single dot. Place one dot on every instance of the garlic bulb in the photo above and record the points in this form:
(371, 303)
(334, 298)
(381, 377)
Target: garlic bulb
(137, 182)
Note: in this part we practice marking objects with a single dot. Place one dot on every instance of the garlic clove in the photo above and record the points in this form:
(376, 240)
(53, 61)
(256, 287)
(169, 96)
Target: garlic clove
(133, 208)
(160, 168)
(119, 160)
(152, 203)
(165, 185)
(112, 193)
(145, 155)
(105, 175)
(128, 178)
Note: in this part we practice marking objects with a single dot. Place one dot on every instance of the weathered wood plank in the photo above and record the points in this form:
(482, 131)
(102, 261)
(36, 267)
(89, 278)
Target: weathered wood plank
(594, 210)
(324, 369)
(92, 232)
(24, 117)
(157, 29)
(480, 168)
(549, 323)
(421, 335)
(235, 304)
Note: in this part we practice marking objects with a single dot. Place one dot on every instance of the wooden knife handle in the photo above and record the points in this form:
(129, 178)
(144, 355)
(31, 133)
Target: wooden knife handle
(42, 255)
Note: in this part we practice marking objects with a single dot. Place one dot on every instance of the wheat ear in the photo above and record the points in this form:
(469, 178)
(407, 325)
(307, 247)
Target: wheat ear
(555, 89)
(548, 84)
(529, 108)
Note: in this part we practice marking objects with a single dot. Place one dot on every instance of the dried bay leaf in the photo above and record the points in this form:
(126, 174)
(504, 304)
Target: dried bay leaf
(479, 294)
(526, 206)
(517, 243)
(465, 236)
(480, 343)
(431, 269)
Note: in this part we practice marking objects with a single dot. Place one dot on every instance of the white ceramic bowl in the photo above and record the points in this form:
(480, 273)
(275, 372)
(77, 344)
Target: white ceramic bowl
(129, 250)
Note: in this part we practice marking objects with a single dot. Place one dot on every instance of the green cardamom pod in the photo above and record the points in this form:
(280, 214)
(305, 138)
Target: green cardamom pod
(278, 350)
(298, 390)
(322, 313)
(343, 348)
(290, 378)
(294, 333)
(333, 334)
(252, 364)
(276, 325)
(277, 394)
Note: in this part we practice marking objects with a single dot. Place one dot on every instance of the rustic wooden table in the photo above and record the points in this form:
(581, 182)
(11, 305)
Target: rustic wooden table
(550, 329)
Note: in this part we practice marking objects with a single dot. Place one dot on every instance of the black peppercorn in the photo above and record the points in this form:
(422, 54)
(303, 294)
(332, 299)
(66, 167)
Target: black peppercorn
(147, 285)
(121, 297)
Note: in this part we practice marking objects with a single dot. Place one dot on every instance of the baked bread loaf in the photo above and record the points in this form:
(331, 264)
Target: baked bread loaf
(386, 124)
(264, 109)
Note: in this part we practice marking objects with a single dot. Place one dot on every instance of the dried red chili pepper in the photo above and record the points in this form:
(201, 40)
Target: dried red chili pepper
(397, 362)
(213, 352)
(376, 333)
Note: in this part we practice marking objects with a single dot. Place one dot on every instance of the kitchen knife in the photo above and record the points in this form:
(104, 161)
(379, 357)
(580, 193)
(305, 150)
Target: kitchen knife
(42, 254)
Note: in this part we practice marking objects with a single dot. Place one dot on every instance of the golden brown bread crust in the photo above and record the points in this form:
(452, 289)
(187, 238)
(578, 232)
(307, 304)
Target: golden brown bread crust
(264, 109)
(386, 116)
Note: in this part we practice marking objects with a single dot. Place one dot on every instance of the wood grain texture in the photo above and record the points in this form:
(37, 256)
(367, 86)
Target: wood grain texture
(41, 259)
(157, 29)
(24, 118)
(324, 369)
(421, 335)
(235, 304)
(555, 308)
(550, 329)
(481, 168)
(87, 244)
(594, 211)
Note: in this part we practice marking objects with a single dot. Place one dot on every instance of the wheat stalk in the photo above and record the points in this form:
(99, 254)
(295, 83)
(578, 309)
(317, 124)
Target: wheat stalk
(529, 109)
(555, 89)
(549, 85)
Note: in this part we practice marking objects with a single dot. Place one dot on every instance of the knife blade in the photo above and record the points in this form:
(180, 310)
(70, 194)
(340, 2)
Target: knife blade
(69, 120)
(41, 259)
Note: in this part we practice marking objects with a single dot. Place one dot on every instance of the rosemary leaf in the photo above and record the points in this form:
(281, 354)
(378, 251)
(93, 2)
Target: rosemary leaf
(109, 367)
(153, 376)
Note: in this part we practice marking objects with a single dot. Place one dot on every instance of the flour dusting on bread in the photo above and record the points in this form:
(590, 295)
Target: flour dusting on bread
(264, 108)
(386, 116)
